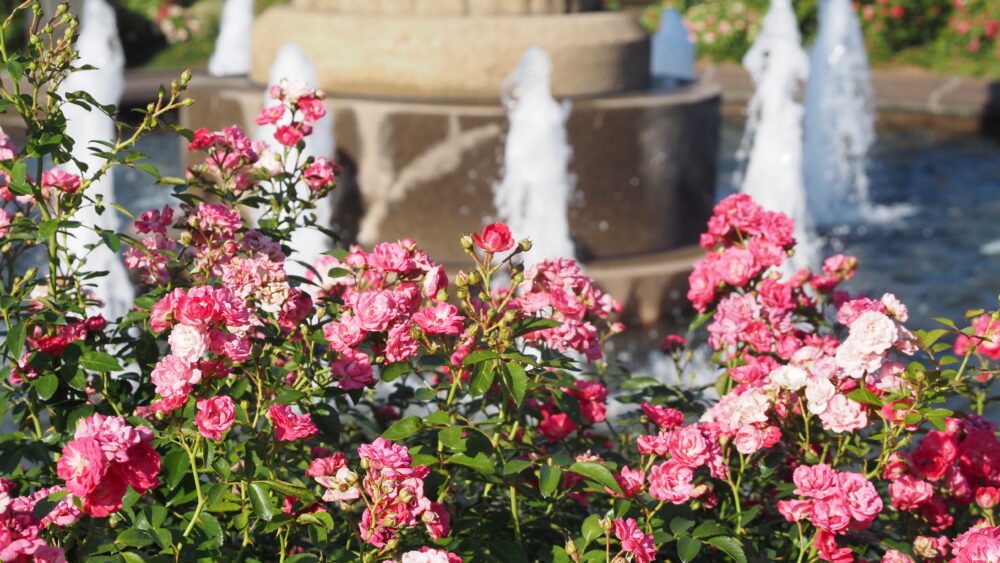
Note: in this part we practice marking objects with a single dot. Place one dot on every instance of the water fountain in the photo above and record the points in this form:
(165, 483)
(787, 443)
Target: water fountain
(99, 46)
(293, 64)
(772, 140)
(672, 53)
(231, 56)
(420, 133)
(535, 191)
(839, 122)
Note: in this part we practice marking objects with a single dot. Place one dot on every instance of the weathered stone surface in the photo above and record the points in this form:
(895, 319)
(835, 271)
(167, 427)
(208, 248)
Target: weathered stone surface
(644, 163)
(454, 57)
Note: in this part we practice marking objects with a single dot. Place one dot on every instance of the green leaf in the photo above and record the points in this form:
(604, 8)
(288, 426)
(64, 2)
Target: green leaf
(16, 69)
(591, 528)
(534, 324)
(680, 525)
(515, 466)
(301, 493)
(700, 320)
(480, 462)
(688, 548)
(946, 322)
(709, 528)
(133, 537)
(479, 356)
(15, 340)
(44, 506)
(47, 229)
(865, 396)
(549, 480)
(730, 546)
(113, 241)
(122, 210)
(132, 557)
(596, 472)
(46, 385)
(518, 383)
(261, 501)
(452, 439)
(639, 383)
(99, 361)
(392, 371)
(482, 379)
(175, 464)
(403, 428)
(337, 272)
(209, 526)
(302, 558)
(289, 396)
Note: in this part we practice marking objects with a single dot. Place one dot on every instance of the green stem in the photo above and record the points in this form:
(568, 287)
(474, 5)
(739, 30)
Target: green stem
(197, 482)
(513, 511)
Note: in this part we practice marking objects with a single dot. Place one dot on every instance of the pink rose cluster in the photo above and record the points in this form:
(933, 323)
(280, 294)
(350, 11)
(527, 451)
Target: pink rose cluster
(429, 555)
(53, 341)
(21, 538)
(954, 467)
(590, 396)
(873, 333)
(977, 545)
(202, 319)
(634, 541)
(742, 241)
(685, 449)
(150, 262)
(339, 482)
(557, 289)
(233, 159)
(303, 104)
(106, 456)
(384, 305)
(836, 502)
(986, 340)
(394, 495)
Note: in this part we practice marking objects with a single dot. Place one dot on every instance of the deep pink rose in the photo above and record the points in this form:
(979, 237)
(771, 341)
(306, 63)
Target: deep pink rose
(496, 237)
(288, 135)
(289, 426)
(82, 466)
(375, 309)
(215, 416)
(57, 178)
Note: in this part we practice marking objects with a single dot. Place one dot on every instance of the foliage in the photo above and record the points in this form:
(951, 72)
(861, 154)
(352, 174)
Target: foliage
(377, 409)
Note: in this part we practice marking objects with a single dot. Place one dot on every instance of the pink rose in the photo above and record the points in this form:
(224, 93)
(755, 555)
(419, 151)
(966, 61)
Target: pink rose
(640, 545)
(270, 115)
(57, 178)
(320, 174)
(375, 309)
(439, 318)
(795, 509)
(748, 439)
(843, 415)
(174, 376)
(831, 514)
(671, 481)
(288, 135)
(215, 416)
(908, 492)
(556, 426)
(895, 556)
(345, 333)
(197, 307)
(289, 426)
(630, 481)
(495, 237)
(863, 500)
(817, 481)
(82, 466)
(665, 418)
(688, 446)
(354, 370)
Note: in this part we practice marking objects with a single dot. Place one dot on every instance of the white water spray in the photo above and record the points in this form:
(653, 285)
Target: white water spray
(533, 197)
(772, 140)
(99, 46)
(231, 56)
(672, 53)
(293, 64)
(840, 122)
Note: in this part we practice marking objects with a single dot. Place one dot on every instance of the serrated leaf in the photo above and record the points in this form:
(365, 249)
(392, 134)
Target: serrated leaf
(392, 371)
(518, 383)
(479, 356)
(452, 439)
(709, 528)
(591, 528)
(98, 361)
(46, 385)
(480, 462)
(865, 396)
(549, 480)
(402, 428)
(515, 466)
(15, 340)
(730, 546)
(688, 548)
(680, 525)
(596, 472)
(16, 69)
(134, 537)
(261, 501)
(527, 326)
(482, 379)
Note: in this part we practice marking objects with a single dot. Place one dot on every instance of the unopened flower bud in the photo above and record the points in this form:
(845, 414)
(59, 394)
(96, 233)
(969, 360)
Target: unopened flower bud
(474, 278)
(571, 549)
(461, 293)
(185, 77)
(606, 523)
(619, 559)
(524, 245)
(925, 547)
(461, 279)
(510, 316)
(518, 277)
(441, 295)
(466, 242)
(987, 497)
(391, 545)
(389, 522)
(365, 463)
(405, 496)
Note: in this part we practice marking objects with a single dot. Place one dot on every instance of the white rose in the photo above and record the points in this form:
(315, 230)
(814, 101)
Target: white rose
(873, 332)
(819, 391)
(187, 342)
(789, 377)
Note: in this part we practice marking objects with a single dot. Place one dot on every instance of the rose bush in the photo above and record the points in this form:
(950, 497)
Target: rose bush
(379, 409)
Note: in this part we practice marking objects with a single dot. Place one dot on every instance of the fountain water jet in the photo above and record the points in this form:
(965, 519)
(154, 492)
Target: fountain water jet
(293, 64)
(99, 46)
(839, 122)
(231, 56)
(534, 195)
(772, 141)
(672, 53)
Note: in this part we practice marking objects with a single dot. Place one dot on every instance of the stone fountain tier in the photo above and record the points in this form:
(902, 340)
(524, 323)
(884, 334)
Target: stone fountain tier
(644, 163)
(454, 55)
